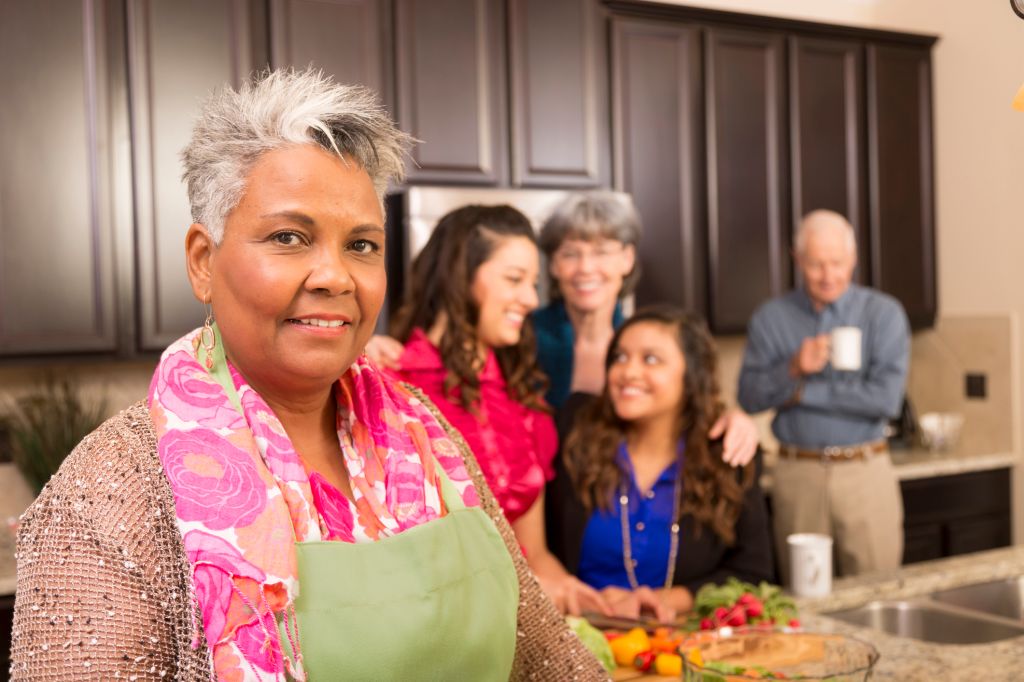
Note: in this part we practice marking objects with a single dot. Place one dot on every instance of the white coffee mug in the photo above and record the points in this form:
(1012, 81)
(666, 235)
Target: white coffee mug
(845, 354)
(810, 564)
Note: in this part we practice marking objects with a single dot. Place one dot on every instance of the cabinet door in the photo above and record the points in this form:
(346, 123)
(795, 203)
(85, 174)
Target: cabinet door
(58, 126)
(179, 51)
(451, 89)
(657, 133)
(826, 128)
(345, 38)
(899, 104)
(748, 212)
(559, 93)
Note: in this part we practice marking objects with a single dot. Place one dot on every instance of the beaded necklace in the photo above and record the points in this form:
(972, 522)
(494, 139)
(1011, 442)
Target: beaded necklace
(673, 547)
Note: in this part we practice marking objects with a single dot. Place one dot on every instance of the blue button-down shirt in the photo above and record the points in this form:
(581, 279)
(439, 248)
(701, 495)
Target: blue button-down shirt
(835, 407)
(650, 522)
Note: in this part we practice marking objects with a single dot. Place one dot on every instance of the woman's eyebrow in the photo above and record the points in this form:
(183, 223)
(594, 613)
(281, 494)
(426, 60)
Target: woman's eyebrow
(368, 227)
(294, 216)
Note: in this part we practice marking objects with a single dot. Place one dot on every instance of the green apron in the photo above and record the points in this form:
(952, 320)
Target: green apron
(435, 602)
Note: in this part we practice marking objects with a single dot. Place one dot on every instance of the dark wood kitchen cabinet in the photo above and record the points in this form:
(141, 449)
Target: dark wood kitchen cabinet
(504, 93)
(558, 93)
(62, 121)
(178, 53)
(658, 146)
(958, 514)
(899, 106)
(827, 134)
(451, 89)
(747, 173)
(798, 116)
(349, 39)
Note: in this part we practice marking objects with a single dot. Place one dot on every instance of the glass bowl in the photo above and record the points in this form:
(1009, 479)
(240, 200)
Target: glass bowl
(740, 654)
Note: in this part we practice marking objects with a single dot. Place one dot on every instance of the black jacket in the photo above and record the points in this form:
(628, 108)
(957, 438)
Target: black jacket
(702, 558)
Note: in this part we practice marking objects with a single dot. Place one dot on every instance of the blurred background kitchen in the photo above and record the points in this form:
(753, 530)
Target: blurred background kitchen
(725, 120)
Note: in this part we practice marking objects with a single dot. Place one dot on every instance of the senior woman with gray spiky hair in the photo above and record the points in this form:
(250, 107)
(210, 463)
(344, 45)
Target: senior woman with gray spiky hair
(277, 508)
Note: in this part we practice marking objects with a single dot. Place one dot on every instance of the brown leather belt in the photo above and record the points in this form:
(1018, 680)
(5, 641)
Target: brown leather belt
(836, 453)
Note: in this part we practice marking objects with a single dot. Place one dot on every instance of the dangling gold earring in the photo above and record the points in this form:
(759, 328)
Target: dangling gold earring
(207, 337)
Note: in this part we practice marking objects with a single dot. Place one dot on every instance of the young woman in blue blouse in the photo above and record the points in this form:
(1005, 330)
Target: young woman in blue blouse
(649, 512)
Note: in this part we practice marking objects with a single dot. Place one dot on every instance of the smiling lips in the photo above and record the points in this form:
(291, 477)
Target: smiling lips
(329, 324)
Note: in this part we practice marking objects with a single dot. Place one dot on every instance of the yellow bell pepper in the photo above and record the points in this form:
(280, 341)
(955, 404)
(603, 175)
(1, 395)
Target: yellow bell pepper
(669, 664)
(627, 647)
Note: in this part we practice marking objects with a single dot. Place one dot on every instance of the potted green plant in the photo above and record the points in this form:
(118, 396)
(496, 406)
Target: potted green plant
(44, 427)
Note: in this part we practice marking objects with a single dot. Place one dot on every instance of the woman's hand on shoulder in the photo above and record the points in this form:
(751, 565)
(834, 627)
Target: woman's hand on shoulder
(384, 351)
(631, 603)
(572, 596)
(741, 437)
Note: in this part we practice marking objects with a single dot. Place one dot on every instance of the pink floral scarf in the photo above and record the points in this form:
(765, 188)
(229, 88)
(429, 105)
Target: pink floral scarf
(243, 497)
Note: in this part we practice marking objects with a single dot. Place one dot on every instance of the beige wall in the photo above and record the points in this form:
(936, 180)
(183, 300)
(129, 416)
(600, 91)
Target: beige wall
(979, 144)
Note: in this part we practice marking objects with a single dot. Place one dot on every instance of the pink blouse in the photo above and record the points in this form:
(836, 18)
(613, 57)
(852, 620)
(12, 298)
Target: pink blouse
(514, 444)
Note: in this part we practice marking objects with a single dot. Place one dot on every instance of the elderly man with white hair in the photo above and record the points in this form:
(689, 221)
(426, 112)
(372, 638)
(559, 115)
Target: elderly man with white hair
(834, 474)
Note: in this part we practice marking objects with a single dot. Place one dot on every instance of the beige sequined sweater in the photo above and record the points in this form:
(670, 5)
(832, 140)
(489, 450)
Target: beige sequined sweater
(103, 580)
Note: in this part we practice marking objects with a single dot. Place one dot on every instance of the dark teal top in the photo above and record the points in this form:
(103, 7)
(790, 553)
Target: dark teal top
(555, 339)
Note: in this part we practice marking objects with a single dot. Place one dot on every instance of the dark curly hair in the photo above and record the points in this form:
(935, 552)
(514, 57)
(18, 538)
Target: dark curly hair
(711, 492)
(440, 282)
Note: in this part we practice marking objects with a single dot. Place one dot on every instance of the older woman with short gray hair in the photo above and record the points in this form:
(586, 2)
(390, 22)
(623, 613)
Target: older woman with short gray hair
(591, 241)
(249, 520)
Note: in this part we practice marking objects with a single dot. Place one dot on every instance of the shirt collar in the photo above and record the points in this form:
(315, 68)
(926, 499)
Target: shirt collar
(626, 465)
(422, 355)
(838, 306)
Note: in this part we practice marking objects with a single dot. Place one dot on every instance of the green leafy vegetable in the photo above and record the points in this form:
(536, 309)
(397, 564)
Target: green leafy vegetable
(594, 640)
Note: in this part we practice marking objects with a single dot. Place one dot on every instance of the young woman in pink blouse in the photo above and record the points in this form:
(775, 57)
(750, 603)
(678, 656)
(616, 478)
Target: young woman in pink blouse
(469, 346)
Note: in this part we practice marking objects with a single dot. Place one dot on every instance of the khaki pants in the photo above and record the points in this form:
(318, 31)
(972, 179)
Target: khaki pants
(857, 502)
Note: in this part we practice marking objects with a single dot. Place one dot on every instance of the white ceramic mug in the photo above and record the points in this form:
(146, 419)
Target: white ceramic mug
(845, 353)
(810, 564)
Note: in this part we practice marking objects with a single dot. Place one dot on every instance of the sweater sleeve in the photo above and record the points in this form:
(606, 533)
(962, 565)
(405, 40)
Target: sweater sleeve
(546, 649)
(99, 596)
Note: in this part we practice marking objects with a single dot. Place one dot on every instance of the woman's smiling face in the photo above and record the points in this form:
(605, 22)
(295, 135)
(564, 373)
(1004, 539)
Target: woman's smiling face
(298, 280)
(504, 289)
(645, 378)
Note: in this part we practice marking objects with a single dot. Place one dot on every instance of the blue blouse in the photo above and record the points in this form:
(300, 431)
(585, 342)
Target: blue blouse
(650, 521)
(555, 339)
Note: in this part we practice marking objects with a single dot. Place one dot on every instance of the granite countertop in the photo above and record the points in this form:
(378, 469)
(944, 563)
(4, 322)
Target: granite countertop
(910, 659)
(921, 463)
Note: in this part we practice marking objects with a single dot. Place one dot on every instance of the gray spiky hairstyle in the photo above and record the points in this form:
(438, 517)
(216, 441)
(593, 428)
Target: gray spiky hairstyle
(278, 109)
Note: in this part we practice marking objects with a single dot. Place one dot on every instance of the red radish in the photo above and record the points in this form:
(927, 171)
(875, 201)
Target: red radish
(721, 613)
(754, 609)
(737, 616)
(706, 624)
(747, 598)
(794, 623)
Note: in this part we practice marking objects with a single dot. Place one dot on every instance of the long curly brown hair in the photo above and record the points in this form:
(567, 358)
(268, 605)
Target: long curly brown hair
(440, 282)
(711, 492)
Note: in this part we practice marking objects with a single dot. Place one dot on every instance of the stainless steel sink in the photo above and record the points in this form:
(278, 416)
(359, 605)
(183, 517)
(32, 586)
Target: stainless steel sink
(931, 622)
(1000, 598)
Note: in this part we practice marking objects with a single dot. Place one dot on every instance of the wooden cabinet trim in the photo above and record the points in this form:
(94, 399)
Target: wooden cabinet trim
(662, 10)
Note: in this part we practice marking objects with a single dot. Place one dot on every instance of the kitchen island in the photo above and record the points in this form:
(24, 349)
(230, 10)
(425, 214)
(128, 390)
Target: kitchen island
(911, 660)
